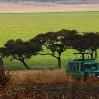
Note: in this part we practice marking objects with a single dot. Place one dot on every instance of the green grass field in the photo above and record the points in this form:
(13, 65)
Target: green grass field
(26, 26)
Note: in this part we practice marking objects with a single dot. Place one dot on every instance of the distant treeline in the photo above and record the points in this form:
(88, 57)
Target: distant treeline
(51, 1)
(53, 44)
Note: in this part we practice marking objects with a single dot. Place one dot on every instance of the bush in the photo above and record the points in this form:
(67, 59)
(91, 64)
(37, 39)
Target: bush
(4, 79)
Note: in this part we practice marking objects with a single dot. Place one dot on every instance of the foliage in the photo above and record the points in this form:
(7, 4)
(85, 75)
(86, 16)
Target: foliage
(25, 26)
(19, 50)
(54, 42)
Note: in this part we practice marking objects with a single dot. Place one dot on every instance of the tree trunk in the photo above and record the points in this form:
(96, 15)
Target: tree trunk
(24, 63)
(91, 55)
(2, 69)
(59, 61)
(96, 55)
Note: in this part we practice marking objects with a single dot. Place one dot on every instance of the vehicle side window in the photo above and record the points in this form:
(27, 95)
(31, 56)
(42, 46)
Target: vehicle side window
(74, 66)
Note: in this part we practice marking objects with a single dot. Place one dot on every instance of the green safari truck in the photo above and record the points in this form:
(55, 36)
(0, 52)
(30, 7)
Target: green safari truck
(83, 67)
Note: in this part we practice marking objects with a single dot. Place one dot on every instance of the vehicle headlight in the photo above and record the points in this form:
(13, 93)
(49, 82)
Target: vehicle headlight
(98, 76)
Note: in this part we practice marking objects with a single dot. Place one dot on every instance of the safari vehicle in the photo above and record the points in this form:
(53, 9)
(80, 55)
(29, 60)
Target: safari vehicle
(82, 68)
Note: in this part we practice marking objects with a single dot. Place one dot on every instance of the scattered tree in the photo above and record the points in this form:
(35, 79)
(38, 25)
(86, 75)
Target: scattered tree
(19, 50)
(55, 43)
(91, 41)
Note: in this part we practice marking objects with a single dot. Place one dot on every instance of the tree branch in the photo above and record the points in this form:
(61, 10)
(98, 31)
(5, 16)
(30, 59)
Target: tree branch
(48, 54)
(14, 57)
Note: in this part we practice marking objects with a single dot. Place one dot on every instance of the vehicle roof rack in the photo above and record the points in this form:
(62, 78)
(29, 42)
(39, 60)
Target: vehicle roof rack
(82, 54)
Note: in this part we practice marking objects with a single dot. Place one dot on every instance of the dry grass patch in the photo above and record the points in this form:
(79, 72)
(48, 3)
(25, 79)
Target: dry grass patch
(38, 77)
(37, 84)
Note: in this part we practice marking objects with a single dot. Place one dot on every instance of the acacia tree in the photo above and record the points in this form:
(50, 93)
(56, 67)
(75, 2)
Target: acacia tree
(76, 41)
(56, 42)
(87, 41)
(91, 41)
(19, 50)
(50, 41)
(69, 38)
(81, 43)
(55, 45)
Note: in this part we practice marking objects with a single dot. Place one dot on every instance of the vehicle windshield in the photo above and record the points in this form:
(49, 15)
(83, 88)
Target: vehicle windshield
(91, 66)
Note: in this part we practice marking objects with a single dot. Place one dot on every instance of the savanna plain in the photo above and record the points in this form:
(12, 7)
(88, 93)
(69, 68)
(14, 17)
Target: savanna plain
(45, 83)
(27, 25)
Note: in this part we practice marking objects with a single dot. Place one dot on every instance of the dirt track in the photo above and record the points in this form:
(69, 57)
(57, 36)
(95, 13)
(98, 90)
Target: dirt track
(21, 8)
